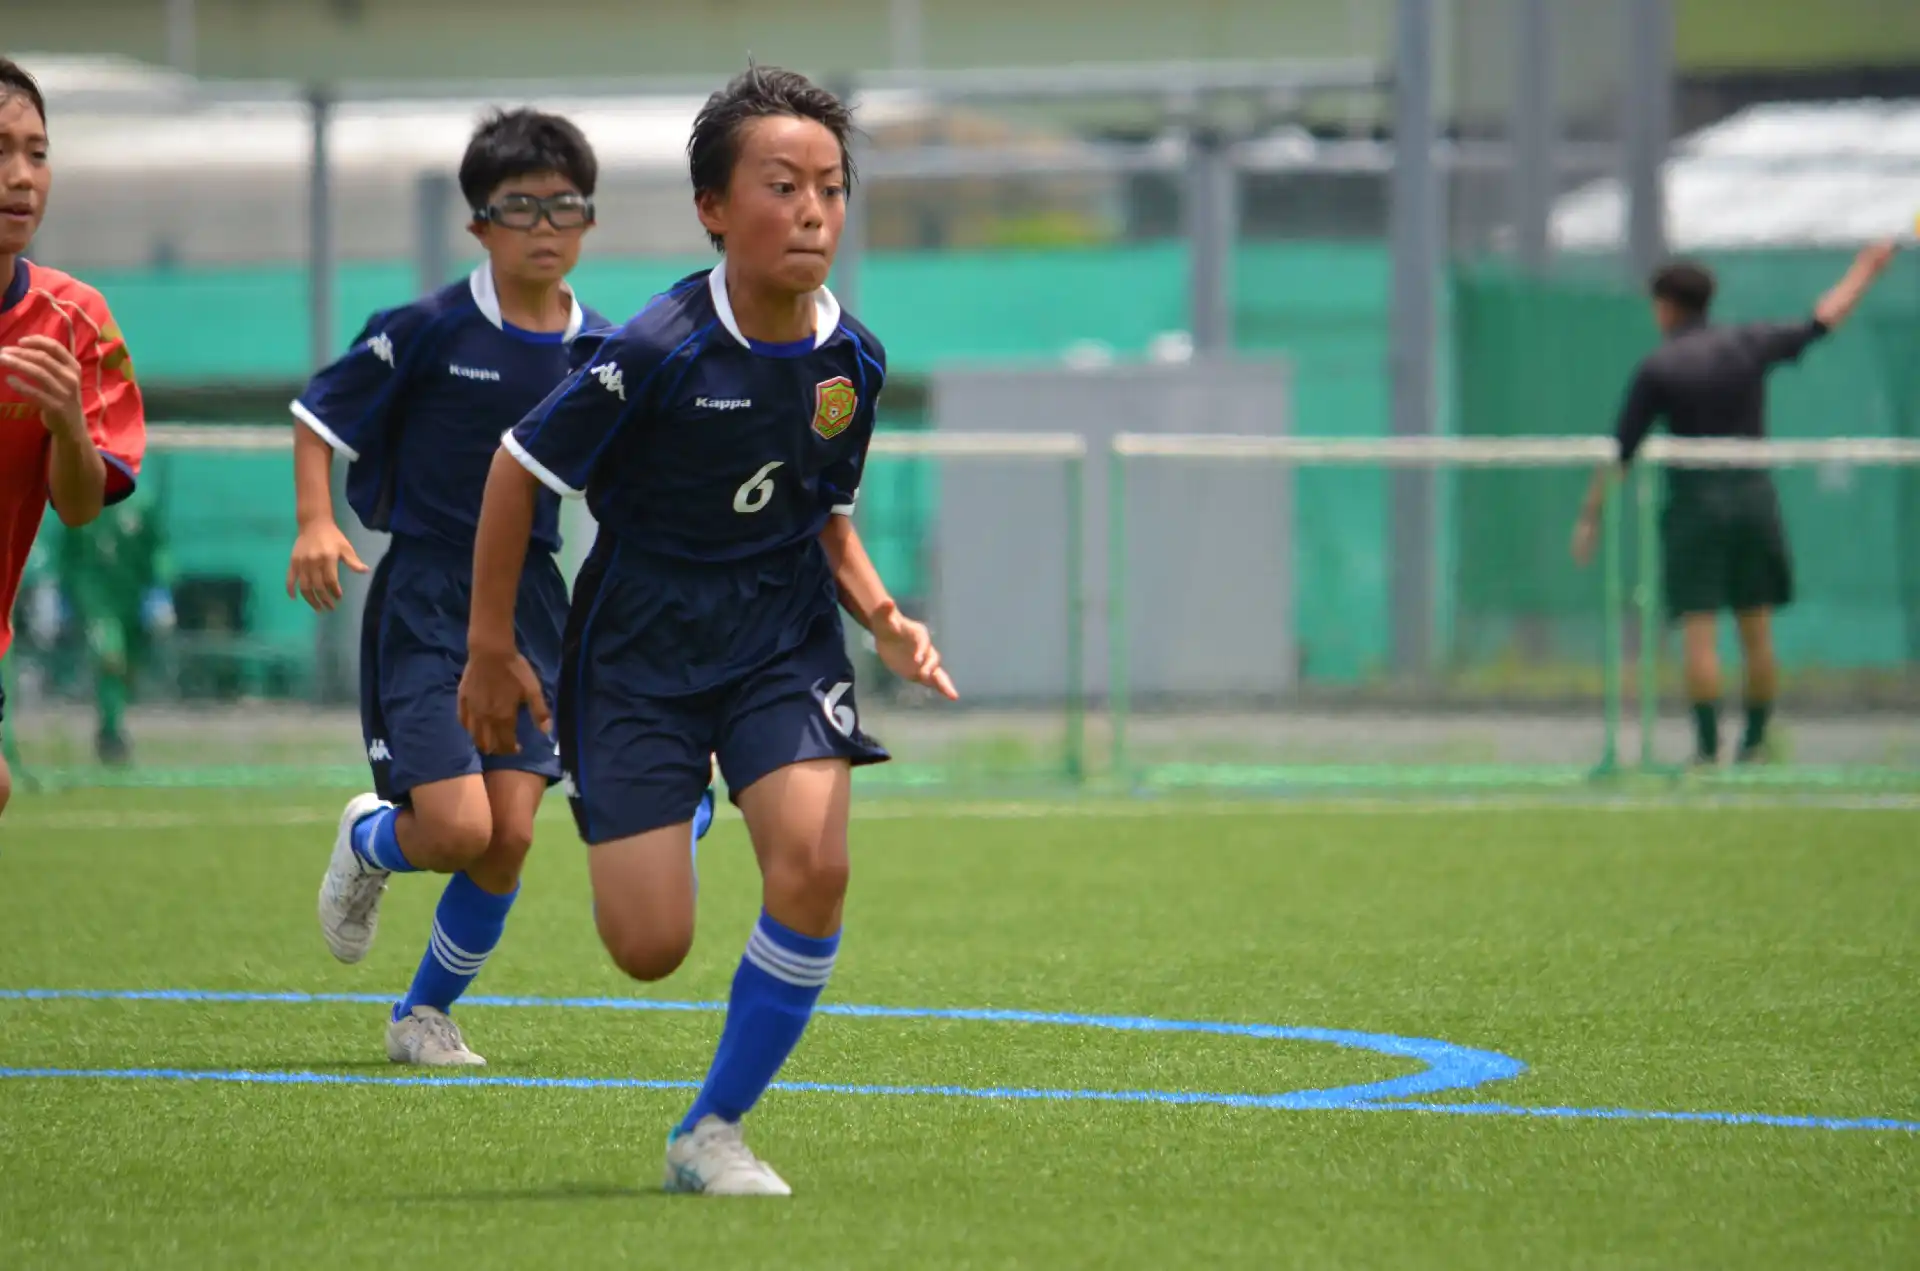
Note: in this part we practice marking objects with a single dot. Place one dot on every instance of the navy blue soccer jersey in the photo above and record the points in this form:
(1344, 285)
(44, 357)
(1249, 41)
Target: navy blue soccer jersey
(713, 461)
(418, 403)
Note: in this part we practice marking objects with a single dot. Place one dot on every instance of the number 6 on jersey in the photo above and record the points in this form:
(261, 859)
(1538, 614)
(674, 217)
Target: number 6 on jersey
(757, 491)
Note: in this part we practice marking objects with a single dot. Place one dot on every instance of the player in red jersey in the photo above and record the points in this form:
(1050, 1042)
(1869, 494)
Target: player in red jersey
(72, 429)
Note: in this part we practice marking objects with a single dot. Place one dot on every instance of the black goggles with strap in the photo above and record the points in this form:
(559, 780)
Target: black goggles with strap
(524, 211)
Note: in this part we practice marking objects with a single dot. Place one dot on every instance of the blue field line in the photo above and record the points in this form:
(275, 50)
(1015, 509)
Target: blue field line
(1449, 1067)
(1287, 1102)
(1638, 1114)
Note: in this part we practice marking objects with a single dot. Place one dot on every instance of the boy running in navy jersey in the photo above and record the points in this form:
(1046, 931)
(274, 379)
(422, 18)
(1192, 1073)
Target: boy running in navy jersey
(718, 438)
(417, 406)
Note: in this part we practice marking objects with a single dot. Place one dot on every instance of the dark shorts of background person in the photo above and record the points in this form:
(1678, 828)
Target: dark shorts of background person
(1724, 544)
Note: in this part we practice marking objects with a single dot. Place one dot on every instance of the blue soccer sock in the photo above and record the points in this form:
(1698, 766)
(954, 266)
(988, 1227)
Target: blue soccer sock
(375, 842)
(466, 927)
(774, 992)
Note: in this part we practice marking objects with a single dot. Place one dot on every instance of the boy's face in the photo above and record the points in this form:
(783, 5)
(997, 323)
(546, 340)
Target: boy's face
(785, 206)
(25, 176)
(542, 254)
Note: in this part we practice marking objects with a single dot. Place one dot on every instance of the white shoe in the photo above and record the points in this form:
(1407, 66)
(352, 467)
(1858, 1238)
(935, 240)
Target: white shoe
(350, 893)
(712, 1160)
(430, 1038)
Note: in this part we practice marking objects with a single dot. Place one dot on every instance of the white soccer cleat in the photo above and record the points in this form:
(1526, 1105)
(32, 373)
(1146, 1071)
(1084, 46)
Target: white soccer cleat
(431, 1039)
(712, 1160)
(350, 893)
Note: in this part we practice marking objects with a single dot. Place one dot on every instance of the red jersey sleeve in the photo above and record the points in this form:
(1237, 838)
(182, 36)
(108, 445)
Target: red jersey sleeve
(116, 416)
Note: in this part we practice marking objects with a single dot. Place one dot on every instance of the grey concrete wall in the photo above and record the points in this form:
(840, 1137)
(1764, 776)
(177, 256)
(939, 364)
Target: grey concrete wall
(1210, 554)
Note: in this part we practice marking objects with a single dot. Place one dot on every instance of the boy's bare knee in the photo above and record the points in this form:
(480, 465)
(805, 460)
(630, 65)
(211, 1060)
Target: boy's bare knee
(511, 842)
(643, 900)
(647, 955)
(810, 881)
(458, 841)
(498, 869)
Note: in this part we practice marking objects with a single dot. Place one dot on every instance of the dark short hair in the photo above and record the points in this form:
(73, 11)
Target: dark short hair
(518, 143)
(756, 93)
(1684, 285)
(16, 82)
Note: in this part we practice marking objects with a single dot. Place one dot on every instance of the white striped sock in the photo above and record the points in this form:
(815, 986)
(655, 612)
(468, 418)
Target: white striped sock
(452, 957)
(799, 969)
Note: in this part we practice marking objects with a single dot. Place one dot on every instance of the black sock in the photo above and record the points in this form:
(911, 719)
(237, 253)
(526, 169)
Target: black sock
(1757, 713)
(1706, 729)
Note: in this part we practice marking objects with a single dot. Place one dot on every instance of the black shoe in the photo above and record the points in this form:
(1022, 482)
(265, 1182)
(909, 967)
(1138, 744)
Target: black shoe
(113, 749)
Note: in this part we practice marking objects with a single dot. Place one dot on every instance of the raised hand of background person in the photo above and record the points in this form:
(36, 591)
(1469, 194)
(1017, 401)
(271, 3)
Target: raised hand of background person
(1877, 256)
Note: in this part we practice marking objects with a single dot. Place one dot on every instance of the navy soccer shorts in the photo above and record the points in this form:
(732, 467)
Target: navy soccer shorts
(413, 647)
(637, 761)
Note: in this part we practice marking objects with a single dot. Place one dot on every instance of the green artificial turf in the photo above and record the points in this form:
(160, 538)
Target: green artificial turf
(1725, 960)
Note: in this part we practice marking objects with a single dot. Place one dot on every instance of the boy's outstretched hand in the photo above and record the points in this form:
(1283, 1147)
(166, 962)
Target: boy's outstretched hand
(906, 647)
(492, 691)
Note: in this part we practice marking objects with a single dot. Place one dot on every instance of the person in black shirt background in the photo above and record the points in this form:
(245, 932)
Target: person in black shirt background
(1723, 543)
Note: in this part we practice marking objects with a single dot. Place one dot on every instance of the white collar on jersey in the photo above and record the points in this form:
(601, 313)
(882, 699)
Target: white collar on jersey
(480, 282)
(826, 309)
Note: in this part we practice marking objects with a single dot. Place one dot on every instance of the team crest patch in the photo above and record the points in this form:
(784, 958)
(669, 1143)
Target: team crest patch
(833, 403)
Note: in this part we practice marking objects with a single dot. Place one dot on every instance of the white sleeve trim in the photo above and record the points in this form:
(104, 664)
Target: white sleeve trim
(842, 509)
(538, 469)
(324, 433)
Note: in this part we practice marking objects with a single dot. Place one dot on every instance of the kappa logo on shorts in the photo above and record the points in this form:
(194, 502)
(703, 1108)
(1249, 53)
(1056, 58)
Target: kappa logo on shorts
(833, 404)
(378, 752)
(381, 346)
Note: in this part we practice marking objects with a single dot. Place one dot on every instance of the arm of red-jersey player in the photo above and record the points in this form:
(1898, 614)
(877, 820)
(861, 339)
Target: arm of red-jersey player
(116, 413)
(95, 465)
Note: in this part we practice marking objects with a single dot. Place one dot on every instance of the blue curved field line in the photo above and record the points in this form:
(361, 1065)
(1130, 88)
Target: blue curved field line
(1634, 1114)
(1294, 1102)
(1450, 1067)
